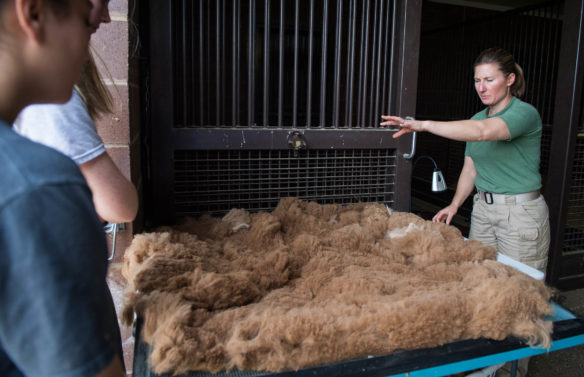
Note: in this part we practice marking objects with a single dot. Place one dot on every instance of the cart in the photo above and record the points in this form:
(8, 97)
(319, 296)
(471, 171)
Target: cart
(454, 357)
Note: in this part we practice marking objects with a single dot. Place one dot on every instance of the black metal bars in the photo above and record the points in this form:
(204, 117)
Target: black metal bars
(307, 64)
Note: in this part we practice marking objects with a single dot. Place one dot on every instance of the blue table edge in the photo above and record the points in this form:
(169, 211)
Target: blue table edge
(559, 314)
(563, 317)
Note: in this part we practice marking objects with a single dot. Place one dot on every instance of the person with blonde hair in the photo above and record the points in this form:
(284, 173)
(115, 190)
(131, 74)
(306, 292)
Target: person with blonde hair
(70, 128)
(57, 316)
(501, 159)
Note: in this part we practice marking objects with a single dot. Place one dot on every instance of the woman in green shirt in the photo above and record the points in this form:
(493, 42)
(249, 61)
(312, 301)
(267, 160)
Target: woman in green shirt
(501, 160)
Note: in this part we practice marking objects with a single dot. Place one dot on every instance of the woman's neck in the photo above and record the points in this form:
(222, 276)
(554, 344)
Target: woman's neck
(495, 108)
(13, 93)
(8, 109)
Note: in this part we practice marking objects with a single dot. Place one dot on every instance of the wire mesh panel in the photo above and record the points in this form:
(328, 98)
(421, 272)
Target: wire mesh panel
(544, 163)
(574, 231)
(217, 181)
(575, 217)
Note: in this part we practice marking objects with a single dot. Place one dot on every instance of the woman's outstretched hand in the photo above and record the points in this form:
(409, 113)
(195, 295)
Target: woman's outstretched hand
(407, 125)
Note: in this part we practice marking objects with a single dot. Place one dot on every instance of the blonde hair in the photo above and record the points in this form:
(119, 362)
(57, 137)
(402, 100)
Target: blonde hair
(506, 64)
(94, 92)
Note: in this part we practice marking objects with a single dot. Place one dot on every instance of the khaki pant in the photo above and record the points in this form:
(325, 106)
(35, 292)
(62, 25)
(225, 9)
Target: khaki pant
(520, 231)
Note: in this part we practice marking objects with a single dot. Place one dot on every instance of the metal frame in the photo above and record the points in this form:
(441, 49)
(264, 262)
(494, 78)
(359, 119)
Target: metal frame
(451, 358)
(401, 85)
(567, 120)
(162, 106)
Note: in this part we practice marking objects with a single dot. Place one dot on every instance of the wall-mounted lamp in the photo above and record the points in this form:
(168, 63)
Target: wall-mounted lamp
(438, 183)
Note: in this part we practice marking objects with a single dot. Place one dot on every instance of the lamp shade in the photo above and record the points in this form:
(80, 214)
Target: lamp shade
(438, 183)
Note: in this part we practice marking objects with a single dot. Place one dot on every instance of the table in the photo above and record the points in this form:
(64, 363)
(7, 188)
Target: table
(443, 360)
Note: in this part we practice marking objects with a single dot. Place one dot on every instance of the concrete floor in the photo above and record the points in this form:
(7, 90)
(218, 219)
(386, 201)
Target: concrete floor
(563, 363)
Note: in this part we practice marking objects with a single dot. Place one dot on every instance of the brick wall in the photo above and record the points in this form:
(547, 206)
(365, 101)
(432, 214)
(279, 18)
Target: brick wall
(115, 45)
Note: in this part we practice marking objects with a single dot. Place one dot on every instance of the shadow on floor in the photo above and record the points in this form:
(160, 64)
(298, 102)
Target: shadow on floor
(568, 362)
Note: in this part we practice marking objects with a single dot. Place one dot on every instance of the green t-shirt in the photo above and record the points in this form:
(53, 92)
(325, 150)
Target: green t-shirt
(509, 166)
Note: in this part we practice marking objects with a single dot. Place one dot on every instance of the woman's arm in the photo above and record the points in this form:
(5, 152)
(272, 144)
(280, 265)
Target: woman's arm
(464, 188)
(462, 130)
(114, 196)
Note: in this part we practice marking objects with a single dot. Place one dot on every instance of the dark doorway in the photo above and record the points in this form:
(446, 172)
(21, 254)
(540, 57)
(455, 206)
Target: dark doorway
(543, 37)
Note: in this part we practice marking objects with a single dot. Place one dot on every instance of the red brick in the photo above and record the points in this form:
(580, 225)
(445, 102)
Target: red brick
(115, 128)
(110, 43)
(121, 157)
(119, 6)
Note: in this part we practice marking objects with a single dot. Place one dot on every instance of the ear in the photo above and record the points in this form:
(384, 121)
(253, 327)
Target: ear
(510, 79)
(30, 16)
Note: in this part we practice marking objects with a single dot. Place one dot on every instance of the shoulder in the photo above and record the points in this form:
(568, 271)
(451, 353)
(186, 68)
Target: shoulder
(57, 114)
(77, 101)
(518, 104)
(28, 165)
(68, 128)
(521, 119)
(481, 115)
(523, 112)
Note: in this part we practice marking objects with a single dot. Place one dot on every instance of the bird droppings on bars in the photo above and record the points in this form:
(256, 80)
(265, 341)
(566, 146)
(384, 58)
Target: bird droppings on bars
(311, 284)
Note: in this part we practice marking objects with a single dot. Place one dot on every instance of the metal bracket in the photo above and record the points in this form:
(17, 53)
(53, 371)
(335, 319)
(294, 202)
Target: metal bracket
(297, 142)
(410, 155)
(114, 228)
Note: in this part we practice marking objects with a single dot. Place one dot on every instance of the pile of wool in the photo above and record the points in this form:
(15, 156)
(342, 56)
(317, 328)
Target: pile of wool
(312, 284)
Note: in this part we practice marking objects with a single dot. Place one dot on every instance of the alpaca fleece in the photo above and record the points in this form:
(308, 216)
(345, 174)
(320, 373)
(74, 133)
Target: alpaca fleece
(312, 284)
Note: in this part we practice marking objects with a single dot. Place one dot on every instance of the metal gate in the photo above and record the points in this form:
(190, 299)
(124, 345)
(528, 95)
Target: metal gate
(252, 101)
(565, 196)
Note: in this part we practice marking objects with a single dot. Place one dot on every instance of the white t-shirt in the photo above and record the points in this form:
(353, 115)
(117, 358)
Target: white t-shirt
(67, 128)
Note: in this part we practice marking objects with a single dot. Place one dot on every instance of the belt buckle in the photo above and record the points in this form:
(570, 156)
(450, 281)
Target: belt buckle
(489, 198)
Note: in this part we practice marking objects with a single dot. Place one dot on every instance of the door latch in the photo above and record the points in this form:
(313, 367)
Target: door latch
(297, 142)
